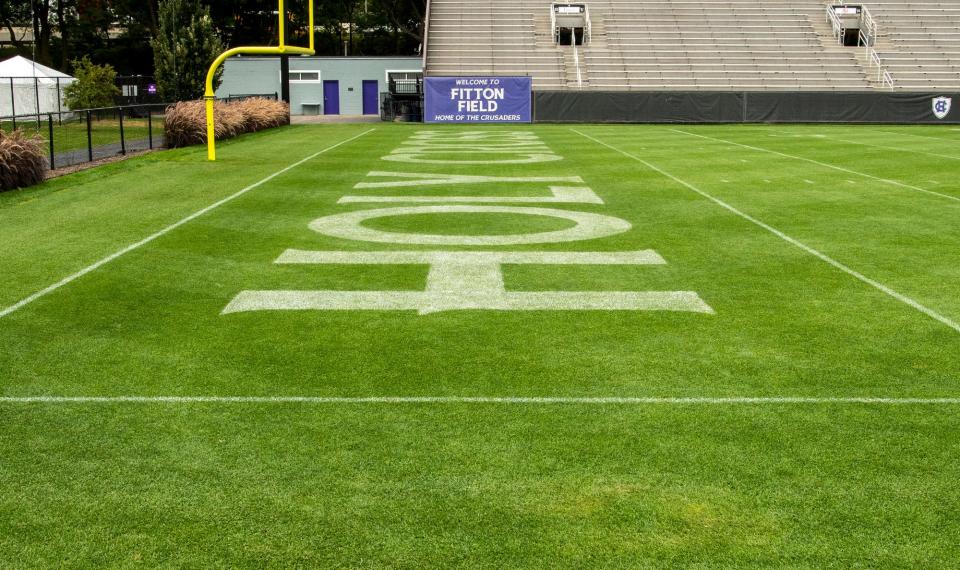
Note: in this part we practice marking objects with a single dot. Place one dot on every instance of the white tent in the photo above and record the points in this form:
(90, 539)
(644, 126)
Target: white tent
(24, 83)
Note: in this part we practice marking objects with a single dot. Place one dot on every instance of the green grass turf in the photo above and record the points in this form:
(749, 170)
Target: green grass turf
(490, 485)
(72, 134)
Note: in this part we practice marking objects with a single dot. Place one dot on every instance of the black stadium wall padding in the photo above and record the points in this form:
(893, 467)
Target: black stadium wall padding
(739, 107)
(637, 107)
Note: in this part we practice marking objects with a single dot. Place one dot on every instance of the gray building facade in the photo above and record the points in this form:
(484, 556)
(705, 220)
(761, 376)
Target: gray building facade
(318, 85)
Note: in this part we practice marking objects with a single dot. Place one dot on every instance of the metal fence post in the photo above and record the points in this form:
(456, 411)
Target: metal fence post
(123, 143)
(150, 126)
(13, 105)
(36, 94)
(89, 139)
(59, 108)
(50, 130)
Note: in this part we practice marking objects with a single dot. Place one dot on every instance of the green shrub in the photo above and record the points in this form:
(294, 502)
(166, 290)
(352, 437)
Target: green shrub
(22, 162)
(95, 85)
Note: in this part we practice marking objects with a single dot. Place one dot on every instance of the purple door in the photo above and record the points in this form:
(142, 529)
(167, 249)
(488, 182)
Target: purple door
(371, 97)
(331, 97)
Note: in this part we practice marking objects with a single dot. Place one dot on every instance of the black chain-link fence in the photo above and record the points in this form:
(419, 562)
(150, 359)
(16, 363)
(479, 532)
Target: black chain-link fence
(76, 137)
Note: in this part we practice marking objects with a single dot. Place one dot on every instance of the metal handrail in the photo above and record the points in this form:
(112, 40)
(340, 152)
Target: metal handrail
(576, 57)
(883, 76)
(588, 36)
(887, 79)
(553, 24)
(426, 35)
(868, 20)
(865, 17)
(838, 28)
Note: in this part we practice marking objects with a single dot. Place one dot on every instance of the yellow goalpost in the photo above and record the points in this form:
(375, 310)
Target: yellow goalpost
(281, 49)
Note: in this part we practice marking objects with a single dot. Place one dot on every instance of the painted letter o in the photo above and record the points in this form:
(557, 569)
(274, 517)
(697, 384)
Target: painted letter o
(588, 226)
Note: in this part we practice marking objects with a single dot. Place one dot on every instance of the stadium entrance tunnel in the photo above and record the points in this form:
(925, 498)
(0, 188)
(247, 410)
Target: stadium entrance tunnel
(570, 24)
(851, 19)
(570, 36)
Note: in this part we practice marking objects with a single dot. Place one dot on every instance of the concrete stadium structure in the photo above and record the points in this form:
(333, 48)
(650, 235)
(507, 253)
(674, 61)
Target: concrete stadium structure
(709, 45)
(319, 85)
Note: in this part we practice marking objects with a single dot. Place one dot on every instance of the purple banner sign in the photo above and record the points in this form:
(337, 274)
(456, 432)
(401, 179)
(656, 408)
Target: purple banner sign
(477, 99)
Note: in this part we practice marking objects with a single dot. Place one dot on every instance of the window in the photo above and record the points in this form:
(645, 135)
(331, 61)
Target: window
(304, 76)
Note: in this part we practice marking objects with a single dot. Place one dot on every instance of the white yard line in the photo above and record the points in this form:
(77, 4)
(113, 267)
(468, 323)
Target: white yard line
(94, 266)
(602, 400)
(861, 143)
(822, 256)
(941, 139)
(823, 164)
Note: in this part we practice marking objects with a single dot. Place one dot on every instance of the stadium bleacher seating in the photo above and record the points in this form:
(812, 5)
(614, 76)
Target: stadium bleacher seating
(696, 45)
(919, 42)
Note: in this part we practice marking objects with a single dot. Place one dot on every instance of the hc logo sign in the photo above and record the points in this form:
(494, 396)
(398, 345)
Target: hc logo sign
(941, 106)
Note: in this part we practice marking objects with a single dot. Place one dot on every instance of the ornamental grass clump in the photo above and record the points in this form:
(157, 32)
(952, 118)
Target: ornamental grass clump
(186, 122)
(260, 113)
(22, 162)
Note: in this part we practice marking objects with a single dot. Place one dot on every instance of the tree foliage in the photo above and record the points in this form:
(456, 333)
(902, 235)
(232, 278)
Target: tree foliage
(185, 46)
(95, 85)
(123, 32)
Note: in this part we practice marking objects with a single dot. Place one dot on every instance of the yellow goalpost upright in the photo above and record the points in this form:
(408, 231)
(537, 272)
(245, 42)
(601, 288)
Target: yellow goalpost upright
(281, 49)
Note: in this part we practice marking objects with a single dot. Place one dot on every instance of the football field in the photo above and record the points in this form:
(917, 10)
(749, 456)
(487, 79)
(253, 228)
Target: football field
(546, 346)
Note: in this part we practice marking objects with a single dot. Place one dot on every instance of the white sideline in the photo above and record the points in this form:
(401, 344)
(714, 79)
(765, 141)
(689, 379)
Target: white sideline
(822, 256)
(603, 400)
(825, 165)
(93, 267)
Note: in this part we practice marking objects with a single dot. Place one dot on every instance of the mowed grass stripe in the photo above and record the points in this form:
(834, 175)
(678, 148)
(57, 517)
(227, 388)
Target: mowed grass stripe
(479, 487)
(96, 265)
(611, 400)
(823, 164)
(822, 256)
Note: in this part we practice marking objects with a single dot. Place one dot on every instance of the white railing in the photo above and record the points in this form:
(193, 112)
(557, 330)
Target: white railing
(837, 25)
(887, 79)
(867, 18)
(864, 40)
(588, 32)
(866, 22)
(883, 76)
(868, 40)
(576, 57)
(553, 24)
(426, 34)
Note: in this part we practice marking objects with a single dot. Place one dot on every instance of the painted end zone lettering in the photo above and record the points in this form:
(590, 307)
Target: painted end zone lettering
(461, 280)
(477, 99)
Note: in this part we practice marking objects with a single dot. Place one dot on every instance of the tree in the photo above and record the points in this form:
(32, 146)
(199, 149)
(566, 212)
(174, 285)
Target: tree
(185, 46)
(95, 85)
(406, 16)
(15, 14)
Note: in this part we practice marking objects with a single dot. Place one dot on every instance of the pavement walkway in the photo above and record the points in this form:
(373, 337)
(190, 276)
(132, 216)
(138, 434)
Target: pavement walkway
(315, 119)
